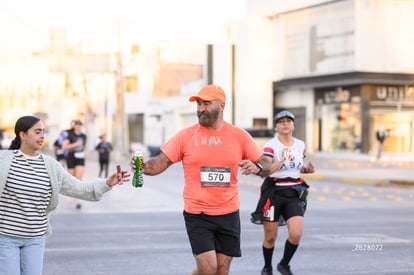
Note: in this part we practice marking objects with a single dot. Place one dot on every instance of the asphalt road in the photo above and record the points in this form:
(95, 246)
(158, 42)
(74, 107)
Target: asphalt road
(349, 229)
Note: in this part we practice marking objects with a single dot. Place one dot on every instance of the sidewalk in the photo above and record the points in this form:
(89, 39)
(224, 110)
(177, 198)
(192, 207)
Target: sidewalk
(360, 168)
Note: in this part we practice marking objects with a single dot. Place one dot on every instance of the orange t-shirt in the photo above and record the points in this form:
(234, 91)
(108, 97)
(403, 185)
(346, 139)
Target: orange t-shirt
(211, 162)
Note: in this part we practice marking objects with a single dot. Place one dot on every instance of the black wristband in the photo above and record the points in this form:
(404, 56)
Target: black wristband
(260, 168)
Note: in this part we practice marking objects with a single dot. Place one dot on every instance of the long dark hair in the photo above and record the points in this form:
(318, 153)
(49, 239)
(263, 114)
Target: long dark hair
(22, 125)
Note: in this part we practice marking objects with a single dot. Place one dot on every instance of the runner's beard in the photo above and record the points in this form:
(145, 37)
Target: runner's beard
(208, 118)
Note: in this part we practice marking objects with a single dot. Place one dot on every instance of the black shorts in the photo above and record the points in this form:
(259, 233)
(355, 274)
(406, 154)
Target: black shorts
(72, 162)
(60, 157)
(219, 233)
(284, 202)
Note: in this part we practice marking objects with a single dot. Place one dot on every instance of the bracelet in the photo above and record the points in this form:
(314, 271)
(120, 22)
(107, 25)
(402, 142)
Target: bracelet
(260, 168)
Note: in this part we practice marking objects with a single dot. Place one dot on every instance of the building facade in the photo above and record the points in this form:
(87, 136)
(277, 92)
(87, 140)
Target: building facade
(344, 67)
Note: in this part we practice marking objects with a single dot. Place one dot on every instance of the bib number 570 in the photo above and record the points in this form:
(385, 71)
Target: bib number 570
(215, 177)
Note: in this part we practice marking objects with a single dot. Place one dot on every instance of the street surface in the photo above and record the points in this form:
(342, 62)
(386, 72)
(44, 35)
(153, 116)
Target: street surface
(349, 229)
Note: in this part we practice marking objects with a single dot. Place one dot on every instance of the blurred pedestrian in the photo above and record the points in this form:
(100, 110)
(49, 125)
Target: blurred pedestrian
(212, 151)
(61, 154)
(283, 193)
(30, 185)
(1, 138)
(75, 143)
(381, 134)
(104, 149)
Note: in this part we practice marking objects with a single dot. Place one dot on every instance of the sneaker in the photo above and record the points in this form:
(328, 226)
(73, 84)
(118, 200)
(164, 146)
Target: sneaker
(267, 271)
(284, 269)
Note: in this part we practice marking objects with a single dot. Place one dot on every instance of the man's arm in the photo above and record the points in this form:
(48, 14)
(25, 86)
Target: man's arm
(264, 164)
(261, 167)
(156, 165)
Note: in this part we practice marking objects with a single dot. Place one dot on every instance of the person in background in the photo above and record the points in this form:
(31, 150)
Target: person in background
(381, 134)
(30, 185)
(59, 152)
(104, 149)
(212, 151)
(283, 193)
(1, 138)
(75, 143)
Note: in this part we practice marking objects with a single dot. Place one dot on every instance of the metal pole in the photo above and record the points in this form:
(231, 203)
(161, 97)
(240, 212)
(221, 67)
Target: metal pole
(233, 84)
(210, 64)
(121, 131)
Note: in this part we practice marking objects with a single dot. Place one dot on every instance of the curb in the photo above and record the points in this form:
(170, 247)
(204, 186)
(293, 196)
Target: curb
(401, 182)
(359, 180)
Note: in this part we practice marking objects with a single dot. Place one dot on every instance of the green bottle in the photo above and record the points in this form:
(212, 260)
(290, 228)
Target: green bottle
(138, 179)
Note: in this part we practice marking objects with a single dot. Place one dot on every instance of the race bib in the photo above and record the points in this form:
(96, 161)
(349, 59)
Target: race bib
(215, 176)
(79, 155)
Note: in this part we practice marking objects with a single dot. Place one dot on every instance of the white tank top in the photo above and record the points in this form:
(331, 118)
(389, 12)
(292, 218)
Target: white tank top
(294, 160)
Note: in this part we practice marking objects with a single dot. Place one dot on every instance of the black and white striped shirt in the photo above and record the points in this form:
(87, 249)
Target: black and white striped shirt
(25, 198)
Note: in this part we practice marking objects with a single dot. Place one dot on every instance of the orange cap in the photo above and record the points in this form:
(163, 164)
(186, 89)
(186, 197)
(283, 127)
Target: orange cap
(208, 93)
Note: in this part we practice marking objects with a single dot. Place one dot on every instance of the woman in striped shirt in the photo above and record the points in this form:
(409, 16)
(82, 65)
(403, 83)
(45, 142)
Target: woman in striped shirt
(30, 184)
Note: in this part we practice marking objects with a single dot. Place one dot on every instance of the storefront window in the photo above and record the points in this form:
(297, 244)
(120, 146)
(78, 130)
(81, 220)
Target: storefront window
(398, 127)
(341, 127)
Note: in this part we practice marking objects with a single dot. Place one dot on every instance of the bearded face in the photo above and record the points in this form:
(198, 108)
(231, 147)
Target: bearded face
(208, 117)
